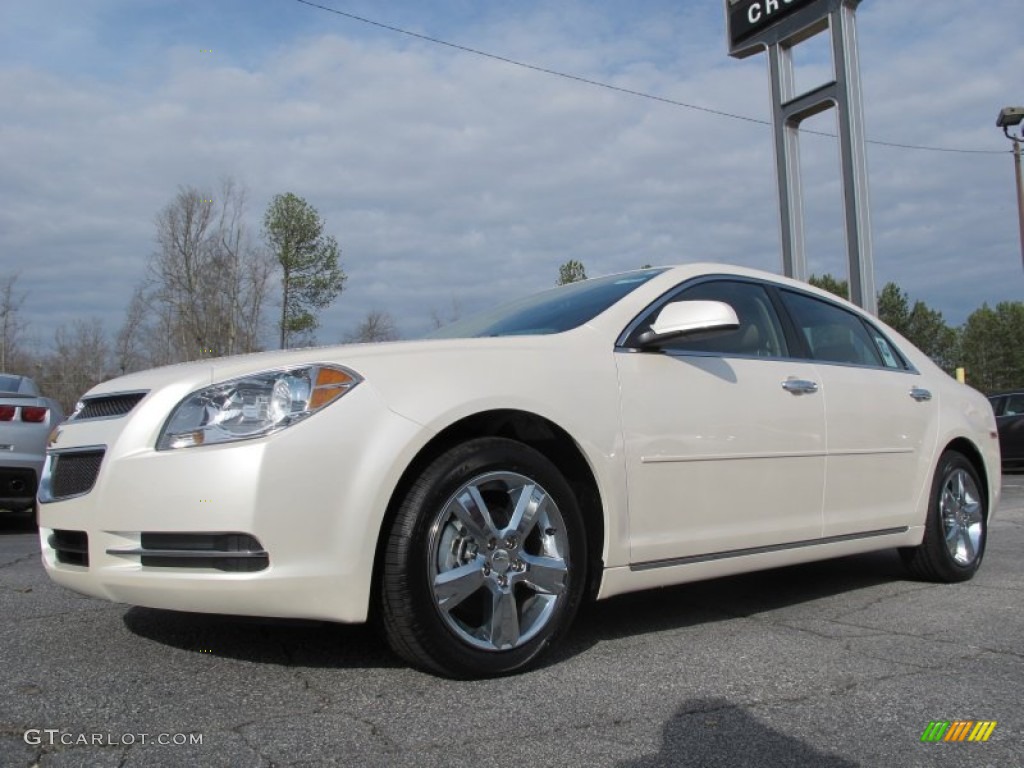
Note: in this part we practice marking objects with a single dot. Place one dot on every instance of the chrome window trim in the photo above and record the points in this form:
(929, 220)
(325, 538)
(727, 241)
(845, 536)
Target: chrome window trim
(621, 346)
(866, 320)
(790, 359)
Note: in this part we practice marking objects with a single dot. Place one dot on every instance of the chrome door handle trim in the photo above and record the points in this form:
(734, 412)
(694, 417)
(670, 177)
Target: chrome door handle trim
(919, 394)
(800, 386)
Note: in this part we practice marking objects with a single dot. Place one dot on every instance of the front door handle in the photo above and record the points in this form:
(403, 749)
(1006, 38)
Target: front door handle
(800, 386)
(919, 394)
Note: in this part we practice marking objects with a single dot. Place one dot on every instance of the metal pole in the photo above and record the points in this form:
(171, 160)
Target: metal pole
(787, 163)
(1020, 194)
(853, 157)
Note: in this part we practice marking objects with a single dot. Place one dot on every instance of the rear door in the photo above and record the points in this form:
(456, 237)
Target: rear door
(880, 418)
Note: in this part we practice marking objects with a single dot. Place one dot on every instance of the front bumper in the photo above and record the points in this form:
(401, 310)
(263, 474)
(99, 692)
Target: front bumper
(311, 497)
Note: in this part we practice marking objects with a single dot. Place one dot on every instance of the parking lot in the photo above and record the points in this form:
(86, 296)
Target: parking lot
(841, 663)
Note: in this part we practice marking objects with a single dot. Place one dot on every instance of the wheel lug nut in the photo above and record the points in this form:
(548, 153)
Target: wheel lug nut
(491, 543)
(486, 569)
(503, 580)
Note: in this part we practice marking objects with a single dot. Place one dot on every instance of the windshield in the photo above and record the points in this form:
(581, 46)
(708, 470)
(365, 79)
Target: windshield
(552, 311)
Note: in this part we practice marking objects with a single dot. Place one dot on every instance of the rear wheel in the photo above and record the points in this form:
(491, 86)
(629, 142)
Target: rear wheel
(484, 561)
(956, 527)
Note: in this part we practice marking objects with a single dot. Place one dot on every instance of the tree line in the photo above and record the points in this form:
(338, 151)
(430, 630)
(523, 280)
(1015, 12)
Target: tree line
(204, 294)
(988, 346)
(208, 286)
(212, 288)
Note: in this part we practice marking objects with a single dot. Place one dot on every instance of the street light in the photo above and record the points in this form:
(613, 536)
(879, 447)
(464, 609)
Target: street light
(1009, 117)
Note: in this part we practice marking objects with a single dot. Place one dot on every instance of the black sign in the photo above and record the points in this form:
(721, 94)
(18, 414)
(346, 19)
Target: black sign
(748, 17)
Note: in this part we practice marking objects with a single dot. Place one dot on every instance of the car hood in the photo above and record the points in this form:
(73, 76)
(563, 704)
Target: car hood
(364, 359)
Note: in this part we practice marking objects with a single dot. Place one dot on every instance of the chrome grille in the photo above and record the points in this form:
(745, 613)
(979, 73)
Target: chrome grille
(221, 551)
(74, 473)
(107, 406)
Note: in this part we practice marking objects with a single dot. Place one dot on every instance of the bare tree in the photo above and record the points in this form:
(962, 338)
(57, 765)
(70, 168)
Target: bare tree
(248, 269)
(11, 324)
(128, 353)
(376, 326)
(257, 268)
(437, 320)
(182, 270)
(80, 360)
(207, 281)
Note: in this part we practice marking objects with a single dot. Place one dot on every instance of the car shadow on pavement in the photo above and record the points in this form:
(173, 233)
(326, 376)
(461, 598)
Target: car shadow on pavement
(327, 645)
(314, 644)
(714, 732)
(727, 598)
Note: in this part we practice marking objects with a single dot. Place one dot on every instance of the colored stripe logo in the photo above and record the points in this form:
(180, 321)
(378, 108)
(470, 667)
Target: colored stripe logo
(958, 730)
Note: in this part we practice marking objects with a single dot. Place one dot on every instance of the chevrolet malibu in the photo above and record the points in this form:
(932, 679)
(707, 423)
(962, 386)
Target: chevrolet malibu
(470, 490)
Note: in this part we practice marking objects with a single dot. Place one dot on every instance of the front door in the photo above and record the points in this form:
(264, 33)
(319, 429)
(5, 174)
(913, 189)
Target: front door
(724, 437)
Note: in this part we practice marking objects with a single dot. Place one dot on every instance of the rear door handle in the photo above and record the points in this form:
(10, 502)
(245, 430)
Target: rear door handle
(800, 386)
(919, 394)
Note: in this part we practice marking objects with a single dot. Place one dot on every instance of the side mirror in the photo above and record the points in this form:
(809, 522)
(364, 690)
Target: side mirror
(689, 318)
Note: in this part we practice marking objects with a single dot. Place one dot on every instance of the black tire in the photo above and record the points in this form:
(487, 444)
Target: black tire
(536, 572)
(957, 519)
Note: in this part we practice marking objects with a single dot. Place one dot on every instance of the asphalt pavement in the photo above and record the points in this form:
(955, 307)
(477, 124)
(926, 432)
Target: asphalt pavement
(835, 664)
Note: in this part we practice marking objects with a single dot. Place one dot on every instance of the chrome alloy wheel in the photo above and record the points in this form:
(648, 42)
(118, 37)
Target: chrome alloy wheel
(498, 560)
(961, 510)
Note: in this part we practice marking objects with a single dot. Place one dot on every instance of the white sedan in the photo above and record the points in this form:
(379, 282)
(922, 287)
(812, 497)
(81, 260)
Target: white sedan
(470, 490)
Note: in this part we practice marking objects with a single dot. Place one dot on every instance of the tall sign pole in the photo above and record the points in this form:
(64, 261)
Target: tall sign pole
(1020, 193)
(1008, 118)
(777, 26)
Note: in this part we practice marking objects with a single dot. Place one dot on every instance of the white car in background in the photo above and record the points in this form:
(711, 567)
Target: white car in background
(625, 432)
(26, 420)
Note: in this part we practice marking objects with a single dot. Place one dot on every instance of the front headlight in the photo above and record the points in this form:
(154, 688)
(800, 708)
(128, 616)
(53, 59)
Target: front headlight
(254, 406)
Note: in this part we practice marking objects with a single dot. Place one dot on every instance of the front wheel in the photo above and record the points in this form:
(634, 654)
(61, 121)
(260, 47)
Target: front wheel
(484, 562)
(956, 527)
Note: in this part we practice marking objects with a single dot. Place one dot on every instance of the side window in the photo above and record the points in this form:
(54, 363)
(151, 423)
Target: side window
(759, 333)
(833, 334)
(1014, 405)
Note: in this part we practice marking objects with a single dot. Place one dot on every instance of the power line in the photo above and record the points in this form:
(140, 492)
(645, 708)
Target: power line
(620, 89)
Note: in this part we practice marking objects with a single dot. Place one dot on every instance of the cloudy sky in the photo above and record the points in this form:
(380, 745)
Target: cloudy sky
(450, 177)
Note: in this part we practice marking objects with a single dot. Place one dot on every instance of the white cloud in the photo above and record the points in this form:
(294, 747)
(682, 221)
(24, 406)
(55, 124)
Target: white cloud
(443, 174)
